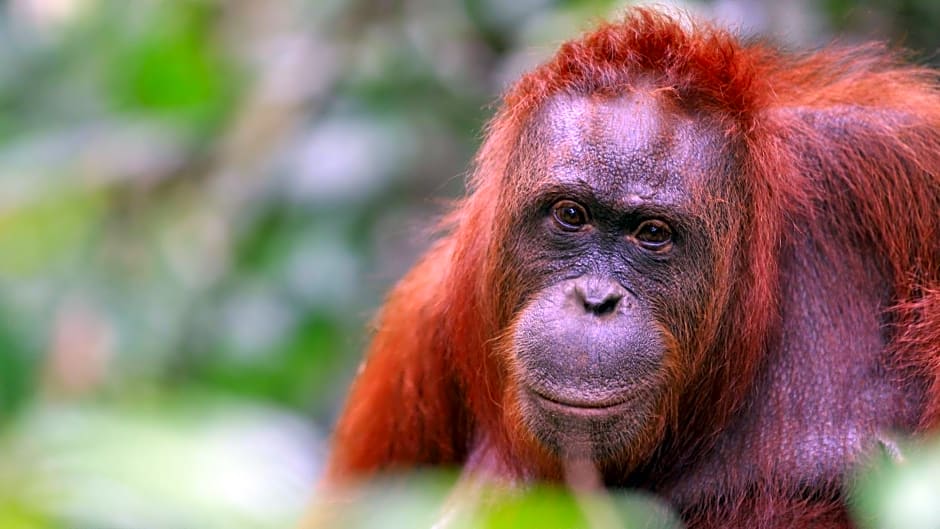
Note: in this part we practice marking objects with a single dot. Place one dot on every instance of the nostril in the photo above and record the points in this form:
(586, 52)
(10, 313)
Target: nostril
(597, 296)
(603, 306)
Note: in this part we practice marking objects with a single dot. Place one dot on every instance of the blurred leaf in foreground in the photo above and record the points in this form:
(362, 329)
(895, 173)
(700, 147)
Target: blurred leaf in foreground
(196, 464)
(901, 492)
(437, 500)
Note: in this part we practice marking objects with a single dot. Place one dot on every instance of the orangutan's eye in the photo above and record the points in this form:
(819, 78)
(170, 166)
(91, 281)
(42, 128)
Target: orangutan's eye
(653, 235)
(569, 215)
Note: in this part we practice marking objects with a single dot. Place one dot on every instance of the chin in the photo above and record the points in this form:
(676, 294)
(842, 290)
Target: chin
(598, 430)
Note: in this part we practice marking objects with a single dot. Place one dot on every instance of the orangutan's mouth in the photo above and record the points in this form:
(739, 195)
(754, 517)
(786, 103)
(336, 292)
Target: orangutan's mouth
(581, 407)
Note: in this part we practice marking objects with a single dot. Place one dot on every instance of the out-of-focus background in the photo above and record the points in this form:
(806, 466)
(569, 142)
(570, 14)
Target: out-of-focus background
(202, 203)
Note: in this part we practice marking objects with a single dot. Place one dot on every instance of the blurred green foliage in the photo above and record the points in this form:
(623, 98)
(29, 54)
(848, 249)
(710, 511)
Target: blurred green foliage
(203, 203)
(425, 499)
(900, 491)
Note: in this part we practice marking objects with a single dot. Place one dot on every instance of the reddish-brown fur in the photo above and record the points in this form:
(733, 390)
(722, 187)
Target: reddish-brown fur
(431, 390)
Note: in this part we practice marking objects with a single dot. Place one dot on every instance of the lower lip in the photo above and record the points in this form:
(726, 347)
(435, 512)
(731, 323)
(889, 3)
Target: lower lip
(601, 409)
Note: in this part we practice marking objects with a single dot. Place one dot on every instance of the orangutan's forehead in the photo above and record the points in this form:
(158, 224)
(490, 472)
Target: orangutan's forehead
(633, 143)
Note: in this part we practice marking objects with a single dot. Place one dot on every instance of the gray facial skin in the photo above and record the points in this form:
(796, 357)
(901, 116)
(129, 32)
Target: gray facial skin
(593, 343)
